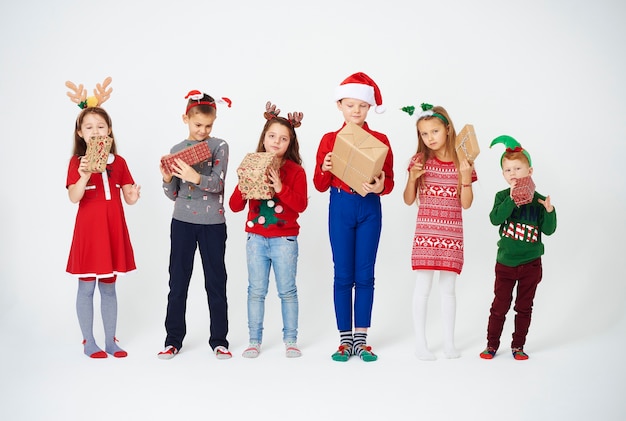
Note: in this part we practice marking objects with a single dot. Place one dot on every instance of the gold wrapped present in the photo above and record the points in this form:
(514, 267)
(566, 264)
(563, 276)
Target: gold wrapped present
(357, 157)
(98, 148)
(252, 173)
(466, 144)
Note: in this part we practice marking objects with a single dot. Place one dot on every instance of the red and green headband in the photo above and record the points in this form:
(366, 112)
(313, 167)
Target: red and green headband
(511, 145)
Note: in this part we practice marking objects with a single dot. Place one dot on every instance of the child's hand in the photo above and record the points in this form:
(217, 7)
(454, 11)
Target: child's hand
(547, 204)
(185, 172)
(165, 173)
(377, 186)
(327, 165)
(416, 171)
(82, 167)
(131, 193)
(465, 170)
(274, 178)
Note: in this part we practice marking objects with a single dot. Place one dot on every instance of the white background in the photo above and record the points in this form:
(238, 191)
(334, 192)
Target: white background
(548, 73)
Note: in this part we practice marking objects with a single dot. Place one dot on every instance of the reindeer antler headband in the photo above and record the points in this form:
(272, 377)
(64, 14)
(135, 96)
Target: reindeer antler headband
(78, 94)
(295, 118)
(197, 96)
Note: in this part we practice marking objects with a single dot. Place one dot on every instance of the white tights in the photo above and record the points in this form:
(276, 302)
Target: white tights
(423, 285)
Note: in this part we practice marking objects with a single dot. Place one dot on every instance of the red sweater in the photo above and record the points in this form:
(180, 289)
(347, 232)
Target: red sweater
(324, 180)
(277, 217)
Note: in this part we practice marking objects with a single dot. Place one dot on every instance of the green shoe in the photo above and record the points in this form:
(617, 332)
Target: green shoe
(366, 354)
(343, 353)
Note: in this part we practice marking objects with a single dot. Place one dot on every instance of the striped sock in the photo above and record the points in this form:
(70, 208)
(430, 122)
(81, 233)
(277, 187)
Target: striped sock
(345, 338)
(360, 341)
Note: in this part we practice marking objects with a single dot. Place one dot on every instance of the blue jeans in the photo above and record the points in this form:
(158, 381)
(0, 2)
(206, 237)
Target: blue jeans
(282, 254)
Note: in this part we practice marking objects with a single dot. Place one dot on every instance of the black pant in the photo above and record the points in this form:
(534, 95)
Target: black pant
(211, 241)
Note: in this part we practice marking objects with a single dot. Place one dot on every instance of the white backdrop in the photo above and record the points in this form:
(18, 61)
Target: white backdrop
(548, 73)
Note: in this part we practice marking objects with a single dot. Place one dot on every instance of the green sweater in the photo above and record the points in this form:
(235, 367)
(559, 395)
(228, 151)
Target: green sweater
(520, 228)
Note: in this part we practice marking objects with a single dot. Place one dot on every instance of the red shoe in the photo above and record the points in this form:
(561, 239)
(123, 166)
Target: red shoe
(488, 353)
(98, 354)
(168, 353)
(519, 354)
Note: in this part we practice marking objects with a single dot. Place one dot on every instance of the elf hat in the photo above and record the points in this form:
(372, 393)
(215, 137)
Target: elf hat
(361, 86)
(512, 145)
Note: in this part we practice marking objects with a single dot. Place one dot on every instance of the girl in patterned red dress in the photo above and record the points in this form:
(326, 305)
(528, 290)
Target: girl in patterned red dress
(101, 247)
(442, 187)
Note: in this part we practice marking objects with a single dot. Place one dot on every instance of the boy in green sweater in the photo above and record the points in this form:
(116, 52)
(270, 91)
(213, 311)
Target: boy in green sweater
(522, 221)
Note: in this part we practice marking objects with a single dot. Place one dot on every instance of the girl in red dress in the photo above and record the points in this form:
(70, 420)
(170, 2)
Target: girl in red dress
(101, 247)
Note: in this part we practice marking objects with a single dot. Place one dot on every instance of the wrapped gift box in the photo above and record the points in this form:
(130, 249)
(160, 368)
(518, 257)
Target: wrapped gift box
(466, 144)
(192, 155)
(252, 173)
(98, 148)
(524, 191)
(357, 157)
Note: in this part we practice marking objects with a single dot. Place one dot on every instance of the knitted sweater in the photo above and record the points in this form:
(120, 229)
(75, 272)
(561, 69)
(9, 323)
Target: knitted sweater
(277, 217)
(201, 203)
(520, 228)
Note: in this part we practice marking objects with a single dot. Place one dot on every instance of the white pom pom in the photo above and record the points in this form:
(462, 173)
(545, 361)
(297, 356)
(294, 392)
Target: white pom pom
(380, 109)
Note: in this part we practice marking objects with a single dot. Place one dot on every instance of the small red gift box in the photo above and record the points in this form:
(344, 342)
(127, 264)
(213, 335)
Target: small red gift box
(98, 148)
(524, 191)
(252, 173)
(192, 155)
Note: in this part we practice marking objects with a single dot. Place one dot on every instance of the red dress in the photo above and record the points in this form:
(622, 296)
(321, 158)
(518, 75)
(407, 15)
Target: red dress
(101, 245)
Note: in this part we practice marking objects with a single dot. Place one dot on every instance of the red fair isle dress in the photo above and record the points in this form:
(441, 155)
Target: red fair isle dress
(438, 240)
(101, 245)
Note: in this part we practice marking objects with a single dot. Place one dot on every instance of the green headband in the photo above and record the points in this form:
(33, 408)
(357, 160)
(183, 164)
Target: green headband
(427, 111)
(511, 145)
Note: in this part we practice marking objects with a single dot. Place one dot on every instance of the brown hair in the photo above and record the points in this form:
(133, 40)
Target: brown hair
(205, 105)
(80, 146)
(293, 150)
(513, 155)
(450, 141)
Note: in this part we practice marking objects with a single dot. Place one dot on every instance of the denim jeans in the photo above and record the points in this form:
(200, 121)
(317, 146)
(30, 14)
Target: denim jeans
(281, 253)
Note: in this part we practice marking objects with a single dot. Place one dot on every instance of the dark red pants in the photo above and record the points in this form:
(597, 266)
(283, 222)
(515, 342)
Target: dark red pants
(527, 277)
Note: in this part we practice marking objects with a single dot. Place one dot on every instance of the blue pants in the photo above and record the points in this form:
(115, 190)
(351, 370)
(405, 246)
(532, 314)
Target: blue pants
(354, 225)
(211, 241)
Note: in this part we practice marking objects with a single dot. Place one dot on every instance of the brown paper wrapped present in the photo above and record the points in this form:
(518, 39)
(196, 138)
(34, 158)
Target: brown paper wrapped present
(466, 144)
(98, 148)
(524, 191)
(357, 157)
(252, 173)
(192, 155)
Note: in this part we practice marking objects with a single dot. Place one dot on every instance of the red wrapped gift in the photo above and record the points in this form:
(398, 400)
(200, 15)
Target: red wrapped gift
(192, 155)
(98, 148)
(252, 173)
(524, 191)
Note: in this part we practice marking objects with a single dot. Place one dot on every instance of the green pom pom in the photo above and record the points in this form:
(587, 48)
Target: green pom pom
(408, 109)
(426, 107)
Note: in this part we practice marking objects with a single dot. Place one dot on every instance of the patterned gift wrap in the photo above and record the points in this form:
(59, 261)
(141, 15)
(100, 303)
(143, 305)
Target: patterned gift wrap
(524, 191)
(192, 155)
(466, 144)
(252, 173)
(98, 148)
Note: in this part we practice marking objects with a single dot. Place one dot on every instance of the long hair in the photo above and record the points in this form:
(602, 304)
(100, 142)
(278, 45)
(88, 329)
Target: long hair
(450, 141)
(80, 146)
(293, 150)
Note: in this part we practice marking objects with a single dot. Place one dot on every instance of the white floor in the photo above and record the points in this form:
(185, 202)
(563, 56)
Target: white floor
(46, 377)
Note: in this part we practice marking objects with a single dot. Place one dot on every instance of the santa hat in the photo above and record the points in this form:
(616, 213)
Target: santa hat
(361, 86)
